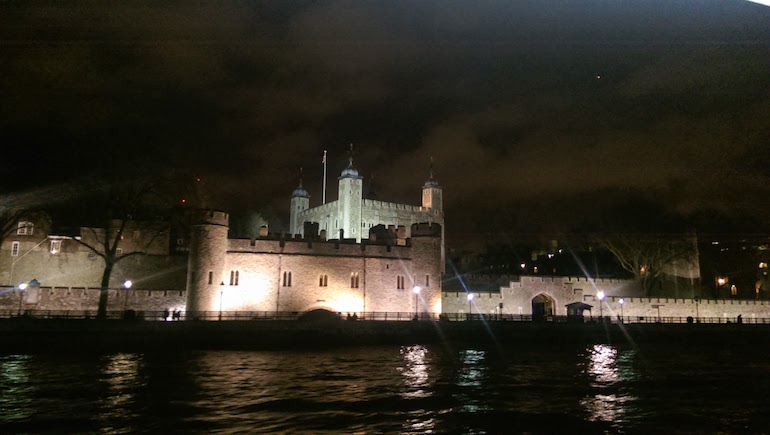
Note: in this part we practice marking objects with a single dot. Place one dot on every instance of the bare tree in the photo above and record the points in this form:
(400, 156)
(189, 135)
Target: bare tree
(122, 206)
(649, 256)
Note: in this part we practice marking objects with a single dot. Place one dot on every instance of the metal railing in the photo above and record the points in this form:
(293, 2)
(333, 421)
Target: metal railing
(155, 315)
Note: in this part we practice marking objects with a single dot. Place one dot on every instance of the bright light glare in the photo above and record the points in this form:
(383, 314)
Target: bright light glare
(600, 295)
(470, 296)
(348, 303)
(622, 301)
(250, 295)
(128, 283)
(22, 286)
(417, 289)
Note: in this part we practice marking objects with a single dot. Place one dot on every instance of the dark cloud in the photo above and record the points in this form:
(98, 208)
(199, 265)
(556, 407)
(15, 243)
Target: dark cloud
(525, 106)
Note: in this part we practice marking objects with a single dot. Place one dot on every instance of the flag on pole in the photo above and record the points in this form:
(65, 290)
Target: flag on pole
(323, 160)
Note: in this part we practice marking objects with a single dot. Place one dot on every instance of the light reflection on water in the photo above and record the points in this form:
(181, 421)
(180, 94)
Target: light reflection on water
(16, 394)
(604, 369)
(386, 389)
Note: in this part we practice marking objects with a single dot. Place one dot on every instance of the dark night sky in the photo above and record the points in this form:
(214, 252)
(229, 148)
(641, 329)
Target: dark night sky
(541, 115)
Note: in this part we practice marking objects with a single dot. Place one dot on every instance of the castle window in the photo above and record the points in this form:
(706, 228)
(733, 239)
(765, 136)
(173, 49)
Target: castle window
(55, 246)
(287, 279)
(211, 277)
(400, 282)
(427, 280)
(118, 251)
(234, 277)
(354, 280)
(14, 249)
(323, 280)
(25, 228)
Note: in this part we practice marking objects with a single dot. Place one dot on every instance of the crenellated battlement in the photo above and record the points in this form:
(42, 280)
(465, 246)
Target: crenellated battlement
(376, 204)
(210, 217)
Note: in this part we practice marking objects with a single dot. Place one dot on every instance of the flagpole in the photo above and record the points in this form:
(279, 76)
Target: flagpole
(324, 183)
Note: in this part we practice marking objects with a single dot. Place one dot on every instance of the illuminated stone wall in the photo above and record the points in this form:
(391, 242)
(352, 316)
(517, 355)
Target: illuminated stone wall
(72, 269)
(323, 276)
(58, 300)
(517, 299)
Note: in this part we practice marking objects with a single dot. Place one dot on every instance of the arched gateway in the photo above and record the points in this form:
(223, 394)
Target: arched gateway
(542, 306)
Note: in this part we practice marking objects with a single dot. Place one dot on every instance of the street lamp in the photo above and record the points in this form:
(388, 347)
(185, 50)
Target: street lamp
(697, 314)
(416, 291)
(22, 287)
(600, 295)
(470, 299)
(127, 285)
(621, 302)
(221, 296)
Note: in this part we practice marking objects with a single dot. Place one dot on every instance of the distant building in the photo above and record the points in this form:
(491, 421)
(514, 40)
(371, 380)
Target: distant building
(57, 259)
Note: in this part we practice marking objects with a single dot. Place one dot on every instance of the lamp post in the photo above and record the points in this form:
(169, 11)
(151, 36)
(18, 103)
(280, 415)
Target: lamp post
(600, 295)
(621, 302)
(470, 300)
(221, 296)
(697, 314)
(22, 287)
(127, 285)
(416, 291)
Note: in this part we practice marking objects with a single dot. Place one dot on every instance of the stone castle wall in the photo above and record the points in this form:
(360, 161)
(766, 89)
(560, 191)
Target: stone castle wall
(78, 268)
(323, 275)
(516, 299)
(372, 213)
(79, 299)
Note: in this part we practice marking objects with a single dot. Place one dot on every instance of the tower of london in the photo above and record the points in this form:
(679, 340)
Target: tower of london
(352, 215)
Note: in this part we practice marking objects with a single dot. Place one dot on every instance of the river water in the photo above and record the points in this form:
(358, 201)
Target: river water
(673, 388)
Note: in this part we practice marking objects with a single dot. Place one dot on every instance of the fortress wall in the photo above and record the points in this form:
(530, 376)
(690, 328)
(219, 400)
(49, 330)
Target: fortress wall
(87, 298)
(517, 296)
(669, 307)
(261, 286)
(517, 299)
(78, 269)
(325, 248)
(385, 206)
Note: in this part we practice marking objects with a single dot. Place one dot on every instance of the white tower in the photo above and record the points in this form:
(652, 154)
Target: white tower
(300, 201)
(350, 197)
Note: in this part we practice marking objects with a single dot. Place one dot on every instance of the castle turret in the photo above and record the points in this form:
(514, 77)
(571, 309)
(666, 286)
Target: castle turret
(432, 194)
(426, 242)
(300, 201)
(433, 203)
(206, 263)
(349, 203)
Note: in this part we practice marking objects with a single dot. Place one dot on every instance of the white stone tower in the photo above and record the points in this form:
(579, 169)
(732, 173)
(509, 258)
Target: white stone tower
(349, 200)
(206, 262)
(300, 201)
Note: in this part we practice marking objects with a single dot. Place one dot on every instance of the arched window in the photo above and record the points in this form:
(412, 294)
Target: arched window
(234, 277)
(400, 282)
(354, 280)
(287, 279)
(323, 280)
